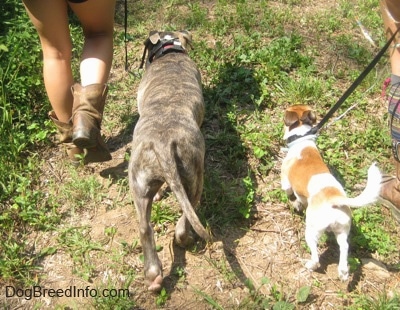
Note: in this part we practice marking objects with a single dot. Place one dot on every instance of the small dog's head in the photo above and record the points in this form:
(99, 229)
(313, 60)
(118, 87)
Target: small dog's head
(162, 42)
(297, 116)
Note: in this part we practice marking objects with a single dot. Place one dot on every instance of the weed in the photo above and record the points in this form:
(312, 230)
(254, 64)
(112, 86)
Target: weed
(209, 299)
(380, 301)
(354, 263)
(162, 297)
(247, 199)
(198, 16)
(111, 297)
(367, 233)
(78, 192)
(162, 213)
(303, 294)
(76, 241)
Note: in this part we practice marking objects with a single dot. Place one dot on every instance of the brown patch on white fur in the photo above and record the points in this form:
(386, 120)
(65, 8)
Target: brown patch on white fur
(326, 194)
(302, 169)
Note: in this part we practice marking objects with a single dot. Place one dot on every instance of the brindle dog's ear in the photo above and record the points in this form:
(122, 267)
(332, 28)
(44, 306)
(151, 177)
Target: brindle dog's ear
(308, 118)
(186, 38)
(154, 37)
(290, 118)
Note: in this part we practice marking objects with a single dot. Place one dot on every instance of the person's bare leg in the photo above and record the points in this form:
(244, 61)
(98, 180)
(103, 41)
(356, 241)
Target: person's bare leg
(390, 192)
(390, 10)
(50, 19)
(97, 20)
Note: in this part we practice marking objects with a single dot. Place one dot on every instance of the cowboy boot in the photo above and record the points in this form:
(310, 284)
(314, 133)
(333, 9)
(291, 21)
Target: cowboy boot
(65, 137)
(87, 114)
(390, 192)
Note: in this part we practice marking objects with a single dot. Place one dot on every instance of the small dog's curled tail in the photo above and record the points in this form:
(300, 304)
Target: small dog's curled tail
(370, 194)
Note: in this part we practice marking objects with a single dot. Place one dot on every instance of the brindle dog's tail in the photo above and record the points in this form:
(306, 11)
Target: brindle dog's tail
(173, 179)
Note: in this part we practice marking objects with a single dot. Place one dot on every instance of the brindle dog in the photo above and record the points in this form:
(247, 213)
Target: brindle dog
(168, 145)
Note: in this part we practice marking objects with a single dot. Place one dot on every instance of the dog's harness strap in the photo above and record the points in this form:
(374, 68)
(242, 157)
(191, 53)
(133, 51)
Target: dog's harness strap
(353, 86)
(162, 48)
(166, 47)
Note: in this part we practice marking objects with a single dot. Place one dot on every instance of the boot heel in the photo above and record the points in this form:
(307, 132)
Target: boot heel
(87, 115)
(84, 139)
(98, 153)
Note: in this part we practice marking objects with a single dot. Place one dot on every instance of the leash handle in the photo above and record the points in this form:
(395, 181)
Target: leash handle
(353, 86)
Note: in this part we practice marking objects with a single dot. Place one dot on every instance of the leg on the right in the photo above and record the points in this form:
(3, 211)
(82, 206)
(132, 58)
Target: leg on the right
(390, 192)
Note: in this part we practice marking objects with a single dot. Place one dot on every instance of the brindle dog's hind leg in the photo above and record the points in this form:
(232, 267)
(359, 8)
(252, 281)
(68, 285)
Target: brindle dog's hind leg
(143, 198)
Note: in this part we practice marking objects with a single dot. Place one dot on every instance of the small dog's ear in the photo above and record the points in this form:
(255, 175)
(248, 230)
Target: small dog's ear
(290, 118)
(308, 117)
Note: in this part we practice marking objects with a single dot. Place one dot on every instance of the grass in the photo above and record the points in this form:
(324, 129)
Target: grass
(256, 57)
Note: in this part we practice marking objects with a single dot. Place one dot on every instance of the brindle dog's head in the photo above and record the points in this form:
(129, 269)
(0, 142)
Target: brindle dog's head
(160, 43)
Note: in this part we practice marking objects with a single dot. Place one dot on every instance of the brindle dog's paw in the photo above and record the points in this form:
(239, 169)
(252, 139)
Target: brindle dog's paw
(155, 286)
(184, 240)
(154, 280)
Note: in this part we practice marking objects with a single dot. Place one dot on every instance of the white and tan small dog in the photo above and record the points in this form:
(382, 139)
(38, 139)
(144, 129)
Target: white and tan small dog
(306, 176)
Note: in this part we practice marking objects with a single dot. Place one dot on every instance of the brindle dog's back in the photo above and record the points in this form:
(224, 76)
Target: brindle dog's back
(170, 94)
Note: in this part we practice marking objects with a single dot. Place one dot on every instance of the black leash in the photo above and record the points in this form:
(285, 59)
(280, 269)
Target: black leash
(353, 86)
(126, 35)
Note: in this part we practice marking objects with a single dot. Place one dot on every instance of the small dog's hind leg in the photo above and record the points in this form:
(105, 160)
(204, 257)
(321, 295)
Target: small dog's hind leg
(298, 205)
(312, 237)
(343, 269)
(287, 187)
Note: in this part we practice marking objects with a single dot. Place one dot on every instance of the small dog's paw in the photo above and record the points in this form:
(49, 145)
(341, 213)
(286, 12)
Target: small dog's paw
(343, 274)
(312, 265)
(298, 206)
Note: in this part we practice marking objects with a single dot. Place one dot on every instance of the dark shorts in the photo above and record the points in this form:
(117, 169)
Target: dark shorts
(77, 1)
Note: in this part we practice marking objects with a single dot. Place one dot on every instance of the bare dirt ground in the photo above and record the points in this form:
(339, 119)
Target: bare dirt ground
(269, 250)
(271, 247)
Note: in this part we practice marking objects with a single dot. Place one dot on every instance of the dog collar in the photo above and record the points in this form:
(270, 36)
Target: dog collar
(295, 139)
